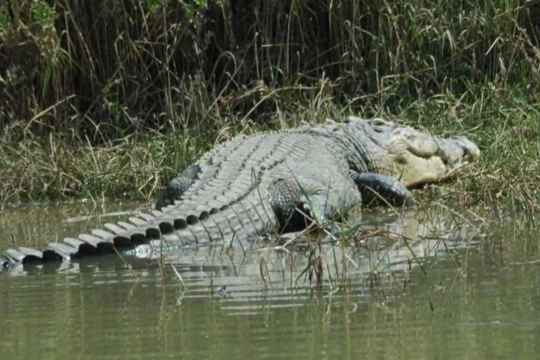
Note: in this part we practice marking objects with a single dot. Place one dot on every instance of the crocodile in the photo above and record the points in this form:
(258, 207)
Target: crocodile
(275, 181)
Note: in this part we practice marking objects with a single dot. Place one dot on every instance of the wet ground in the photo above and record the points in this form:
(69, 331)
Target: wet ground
(425, 284)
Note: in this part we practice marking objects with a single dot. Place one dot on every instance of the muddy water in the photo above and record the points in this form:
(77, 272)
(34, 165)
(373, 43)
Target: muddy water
(429, 284)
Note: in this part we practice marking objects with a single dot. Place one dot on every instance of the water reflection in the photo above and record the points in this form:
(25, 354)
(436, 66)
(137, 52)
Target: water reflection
(380, 250)
(419, 285)
(37, 225)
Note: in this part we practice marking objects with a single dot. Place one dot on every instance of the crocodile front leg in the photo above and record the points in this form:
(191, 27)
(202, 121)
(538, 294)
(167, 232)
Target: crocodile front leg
(382, 189)
(287, 203)
(297, 202)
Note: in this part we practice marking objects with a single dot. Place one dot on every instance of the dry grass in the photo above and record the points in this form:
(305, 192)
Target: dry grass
(112, 100)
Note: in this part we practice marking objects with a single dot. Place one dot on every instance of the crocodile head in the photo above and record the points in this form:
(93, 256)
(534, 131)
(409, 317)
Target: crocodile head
(415, 157)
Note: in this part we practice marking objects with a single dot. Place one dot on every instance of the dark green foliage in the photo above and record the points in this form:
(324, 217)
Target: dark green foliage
(112, 97)
(104, 69)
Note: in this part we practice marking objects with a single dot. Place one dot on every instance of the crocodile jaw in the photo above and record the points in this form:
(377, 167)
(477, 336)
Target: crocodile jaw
(418, 158)
(412, 156)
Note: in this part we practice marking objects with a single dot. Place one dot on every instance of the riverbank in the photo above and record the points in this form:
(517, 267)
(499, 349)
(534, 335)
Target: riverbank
(505, 124)
(111, 101)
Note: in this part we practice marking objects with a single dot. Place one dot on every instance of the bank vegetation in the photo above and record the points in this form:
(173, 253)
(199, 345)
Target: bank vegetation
(110, 98)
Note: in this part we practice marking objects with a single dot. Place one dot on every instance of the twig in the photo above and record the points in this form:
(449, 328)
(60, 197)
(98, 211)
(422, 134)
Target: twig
(179, 276)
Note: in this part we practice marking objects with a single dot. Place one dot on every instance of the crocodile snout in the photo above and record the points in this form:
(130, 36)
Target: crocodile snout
(418, 157)
(456, 151)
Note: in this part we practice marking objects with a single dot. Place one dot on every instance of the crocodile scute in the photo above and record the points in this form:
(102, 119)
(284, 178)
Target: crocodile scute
(252, 185)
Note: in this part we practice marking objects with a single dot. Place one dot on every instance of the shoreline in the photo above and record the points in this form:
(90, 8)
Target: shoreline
(59, 168)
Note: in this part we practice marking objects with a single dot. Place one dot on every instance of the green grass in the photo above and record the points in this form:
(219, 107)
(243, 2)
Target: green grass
(504, 124)
(111, 100)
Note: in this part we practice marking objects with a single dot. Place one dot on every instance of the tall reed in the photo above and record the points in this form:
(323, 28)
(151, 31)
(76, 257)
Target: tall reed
(95, 94)
(106, 69)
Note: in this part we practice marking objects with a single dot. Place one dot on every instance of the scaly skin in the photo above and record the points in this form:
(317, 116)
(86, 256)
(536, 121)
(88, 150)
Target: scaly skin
(253, 185)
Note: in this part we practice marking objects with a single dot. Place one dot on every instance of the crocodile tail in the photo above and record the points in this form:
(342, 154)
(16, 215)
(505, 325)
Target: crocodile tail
(112, 237)
(234, 222)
